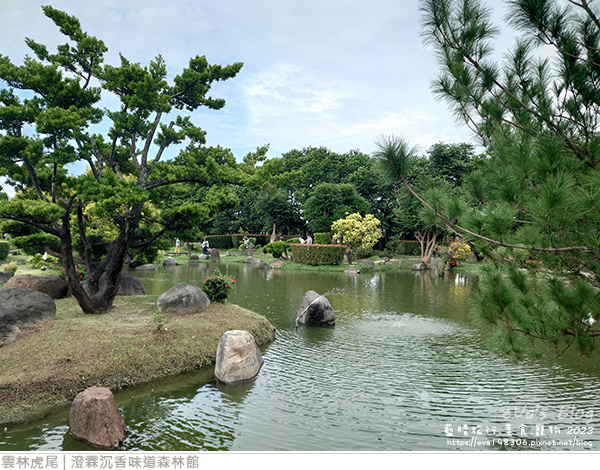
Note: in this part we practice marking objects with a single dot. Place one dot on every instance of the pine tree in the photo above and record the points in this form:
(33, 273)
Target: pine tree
(50, 108)
(537, 195)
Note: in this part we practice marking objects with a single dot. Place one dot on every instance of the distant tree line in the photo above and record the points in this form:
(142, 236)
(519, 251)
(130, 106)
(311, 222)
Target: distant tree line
(305, 191)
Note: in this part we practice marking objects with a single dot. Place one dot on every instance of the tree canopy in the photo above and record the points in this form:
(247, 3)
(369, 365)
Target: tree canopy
(52, 108)
(535, 200)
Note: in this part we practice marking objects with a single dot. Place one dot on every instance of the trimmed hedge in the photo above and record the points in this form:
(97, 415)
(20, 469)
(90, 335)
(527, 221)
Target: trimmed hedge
(4, 249)
(318, 254)
(221, 242)
(226, 242)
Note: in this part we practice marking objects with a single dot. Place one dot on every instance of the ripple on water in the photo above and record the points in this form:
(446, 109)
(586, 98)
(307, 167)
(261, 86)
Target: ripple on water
(378, 381)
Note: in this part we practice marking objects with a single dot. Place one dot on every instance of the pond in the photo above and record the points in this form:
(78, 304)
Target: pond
(402, 370)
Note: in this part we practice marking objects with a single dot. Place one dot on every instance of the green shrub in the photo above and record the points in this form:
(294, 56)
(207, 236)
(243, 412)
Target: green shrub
(217, 286)
(318, 254)
(4, 249)
(10, 267)
(32, 244)
(322, 238)
(221, 242)
(362, 253)
(294, 240)
(276, 248)
(37, 261)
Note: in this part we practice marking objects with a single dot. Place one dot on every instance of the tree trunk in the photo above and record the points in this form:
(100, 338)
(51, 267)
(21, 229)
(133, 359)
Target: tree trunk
(427, 240)
(93, 296)
(274, 233)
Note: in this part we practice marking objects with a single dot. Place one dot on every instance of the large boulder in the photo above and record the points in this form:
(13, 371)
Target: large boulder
(252, 261)
(50, 284)
(238, 357)
(169, 261)
(95, 419)
(195, 258)
(277, 264)
(214, 254)
(146, 267)
(182, 299)
(128, 285)
(315, 310)
(22, 308)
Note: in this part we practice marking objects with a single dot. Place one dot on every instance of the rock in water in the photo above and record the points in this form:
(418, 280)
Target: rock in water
(95, 419)
(238, 357)
(315, 310)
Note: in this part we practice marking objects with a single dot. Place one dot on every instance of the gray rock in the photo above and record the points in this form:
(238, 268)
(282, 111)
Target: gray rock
(5, 276)
(131, 285)
(352, 271)
(251, 260)
(128, 285)
(315, 310)
(214, 254)
(50, 284)
(436, 263)
(238, 357)
(203, 256)
(182, 299)
(418, 267)
(194, 258)
(367, 263)
(95, 419)
(21, 308)
(169, 261)
(146, 267)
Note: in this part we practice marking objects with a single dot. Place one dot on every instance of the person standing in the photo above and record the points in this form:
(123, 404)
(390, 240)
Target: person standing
(177, 245)
(309, 240)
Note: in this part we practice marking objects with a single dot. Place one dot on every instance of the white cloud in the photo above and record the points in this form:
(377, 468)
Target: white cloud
(335, 73)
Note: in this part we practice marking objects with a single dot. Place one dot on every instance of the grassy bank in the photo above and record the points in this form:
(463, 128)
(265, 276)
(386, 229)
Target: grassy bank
(51, 363)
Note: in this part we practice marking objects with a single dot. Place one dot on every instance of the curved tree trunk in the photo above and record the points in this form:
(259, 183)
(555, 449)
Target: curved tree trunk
(93, 296)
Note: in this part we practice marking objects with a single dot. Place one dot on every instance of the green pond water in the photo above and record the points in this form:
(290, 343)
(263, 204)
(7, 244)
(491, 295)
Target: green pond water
(402, 370)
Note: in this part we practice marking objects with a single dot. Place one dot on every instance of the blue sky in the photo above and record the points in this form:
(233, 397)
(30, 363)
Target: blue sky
(316, 73)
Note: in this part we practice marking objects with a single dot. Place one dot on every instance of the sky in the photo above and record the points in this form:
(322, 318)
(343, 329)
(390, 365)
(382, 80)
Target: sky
(331, 73)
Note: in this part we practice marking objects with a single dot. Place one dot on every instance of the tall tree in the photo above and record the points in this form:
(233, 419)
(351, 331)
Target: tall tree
(538, 194)
(400, 161)
(47, 118)
(330, 202)
(450, 162)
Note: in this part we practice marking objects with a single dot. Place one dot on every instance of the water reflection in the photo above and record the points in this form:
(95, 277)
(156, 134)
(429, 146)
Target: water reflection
(402, 370)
